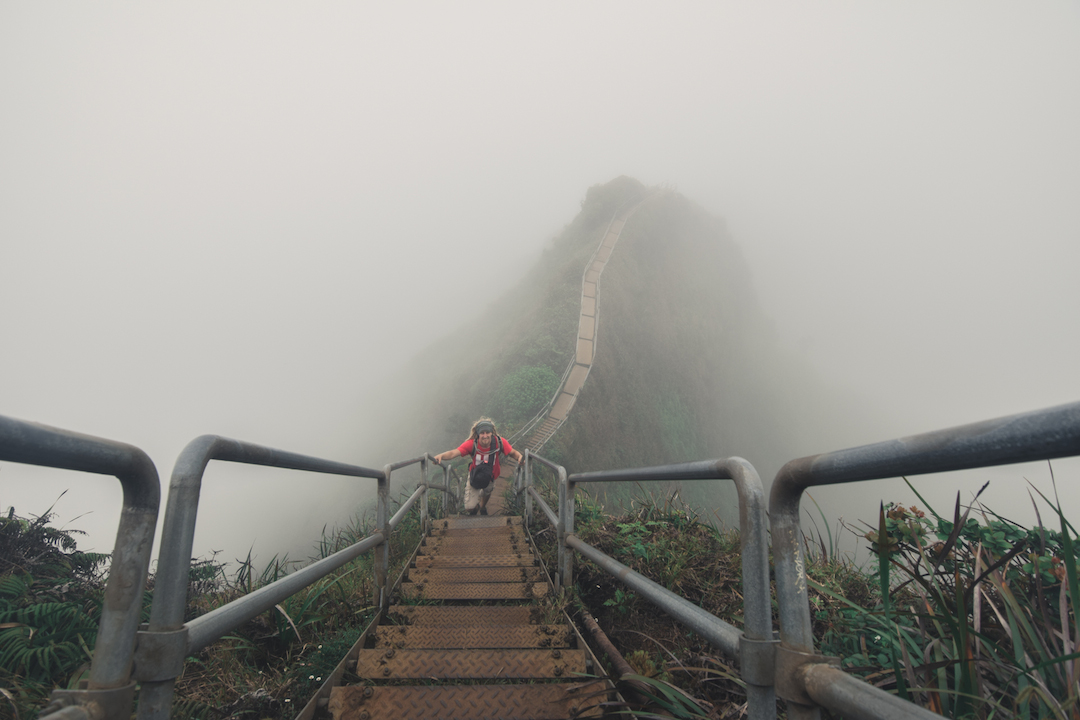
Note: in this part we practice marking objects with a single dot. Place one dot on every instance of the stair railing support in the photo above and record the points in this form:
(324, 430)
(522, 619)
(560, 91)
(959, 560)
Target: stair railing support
(424, 498)
(526, 483)
(111, 687)
(382, 552)
(566, 527)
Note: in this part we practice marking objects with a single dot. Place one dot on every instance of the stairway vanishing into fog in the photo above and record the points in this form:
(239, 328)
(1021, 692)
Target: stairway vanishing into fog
(474, 633)
(585, 351)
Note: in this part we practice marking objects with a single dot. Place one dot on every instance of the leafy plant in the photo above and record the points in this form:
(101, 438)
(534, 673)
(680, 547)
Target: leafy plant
(974, 618)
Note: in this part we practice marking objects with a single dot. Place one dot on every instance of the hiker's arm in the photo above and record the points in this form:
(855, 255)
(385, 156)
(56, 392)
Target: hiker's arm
(517, 456)
(448, 455)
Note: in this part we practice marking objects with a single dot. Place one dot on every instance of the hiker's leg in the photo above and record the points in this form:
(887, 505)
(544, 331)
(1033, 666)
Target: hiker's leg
(472, 499)
(485, 494)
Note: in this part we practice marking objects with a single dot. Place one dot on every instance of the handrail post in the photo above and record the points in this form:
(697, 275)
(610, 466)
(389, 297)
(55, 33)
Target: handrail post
(526, 484)
(446, 495)
(424, 497)
(382, 552)
(111, 684)
(566, 527)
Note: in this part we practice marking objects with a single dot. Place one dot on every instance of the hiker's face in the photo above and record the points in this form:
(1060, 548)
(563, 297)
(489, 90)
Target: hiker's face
(485, 437)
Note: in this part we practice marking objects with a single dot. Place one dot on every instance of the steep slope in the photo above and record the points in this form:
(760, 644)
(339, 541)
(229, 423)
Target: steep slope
(685, 364)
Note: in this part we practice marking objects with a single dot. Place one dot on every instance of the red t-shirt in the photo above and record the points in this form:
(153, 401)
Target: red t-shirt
(466, 448)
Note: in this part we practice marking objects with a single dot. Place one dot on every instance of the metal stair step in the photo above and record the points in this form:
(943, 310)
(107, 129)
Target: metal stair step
(469, 702)
(476, 549)
(457, 616)
(503, 530)
(452, 561)
(473, 638)
(473, 591)
(478, 521)
(476, 574)
(394, 664)
(480, 542)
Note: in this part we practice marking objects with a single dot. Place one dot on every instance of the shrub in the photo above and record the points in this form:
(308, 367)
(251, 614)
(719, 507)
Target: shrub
(523, 392)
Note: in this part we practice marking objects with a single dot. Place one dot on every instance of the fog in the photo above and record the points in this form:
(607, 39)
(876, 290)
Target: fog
(241, 219)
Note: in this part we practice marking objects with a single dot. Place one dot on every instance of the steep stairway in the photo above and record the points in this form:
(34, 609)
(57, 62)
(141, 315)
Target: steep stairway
(474, 636)
(585, 349)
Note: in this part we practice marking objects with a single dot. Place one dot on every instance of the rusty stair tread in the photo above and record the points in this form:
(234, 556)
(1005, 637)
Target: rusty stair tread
(474, 638)
(452, 561)
(470, 664)
(464, 552)
(551, 701)
(485, 531)
(476, 574)
(474, 591)
(480, 541)
(477, 521)
(457, 616)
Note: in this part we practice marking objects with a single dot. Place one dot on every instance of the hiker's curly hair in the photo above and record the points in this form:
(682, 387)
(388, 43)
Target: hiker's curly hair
(474, 434)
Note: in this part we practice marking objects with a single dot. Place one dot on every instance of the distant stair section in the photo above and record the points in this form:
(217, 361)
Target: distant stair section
(470, 640)
(574, 378)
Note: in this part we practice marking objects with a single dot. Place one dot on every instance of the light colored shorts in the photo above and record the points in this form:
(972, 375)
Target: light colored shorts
(472, 495)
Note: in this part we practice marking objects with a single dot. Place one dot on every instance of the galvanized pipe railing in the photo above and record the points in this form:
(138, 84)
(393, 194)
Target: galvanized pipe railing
(166, 643)
(111, 688)
(756, 647)
(721, 634)
(1040, 435)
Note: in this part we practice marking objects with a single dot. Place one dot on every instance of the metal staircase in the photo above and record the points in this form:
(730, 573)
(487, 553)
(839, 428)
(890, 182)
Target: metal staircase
(473, 637)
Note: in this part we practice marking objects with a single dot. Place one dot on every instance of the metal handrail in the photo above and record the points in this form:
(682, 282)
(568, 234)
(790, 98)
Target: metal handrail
(167, 641)
(720, 633)
(1039, 435)
(754, 647)
(110, 683)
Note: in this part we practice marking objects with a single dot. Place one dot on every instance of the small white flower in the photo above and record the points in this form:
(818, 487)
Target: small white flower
(310, 677)
(318, 679)
(877, 638)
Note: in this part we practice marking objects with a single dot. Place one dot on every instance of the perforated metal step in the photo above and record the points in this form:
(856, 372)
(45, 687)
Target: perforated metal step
(452, 561)
(504, 530)
(433, 636)
(476, 574)
(477, 521)
(488, 544)
(473, 591)
(469, 702)
(395, 664)
(457, 616)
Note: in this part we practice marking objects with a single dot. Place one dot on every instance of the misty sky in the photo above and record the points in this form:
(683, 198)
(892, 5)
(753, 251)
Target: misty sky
(239, 218)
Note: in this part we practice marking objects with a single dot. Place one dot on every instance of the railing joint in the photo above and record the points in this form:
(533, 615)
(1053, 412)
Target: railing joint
(159, 655)
(757, 660)
(790, 684)
(95, 704)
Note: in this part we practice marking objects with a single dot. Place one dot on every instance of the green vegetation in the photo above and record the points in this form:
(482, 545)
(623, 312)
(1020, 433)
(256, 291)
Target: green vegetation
(970, 615)
(50, 606)
(524, 392)
(973, 616)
